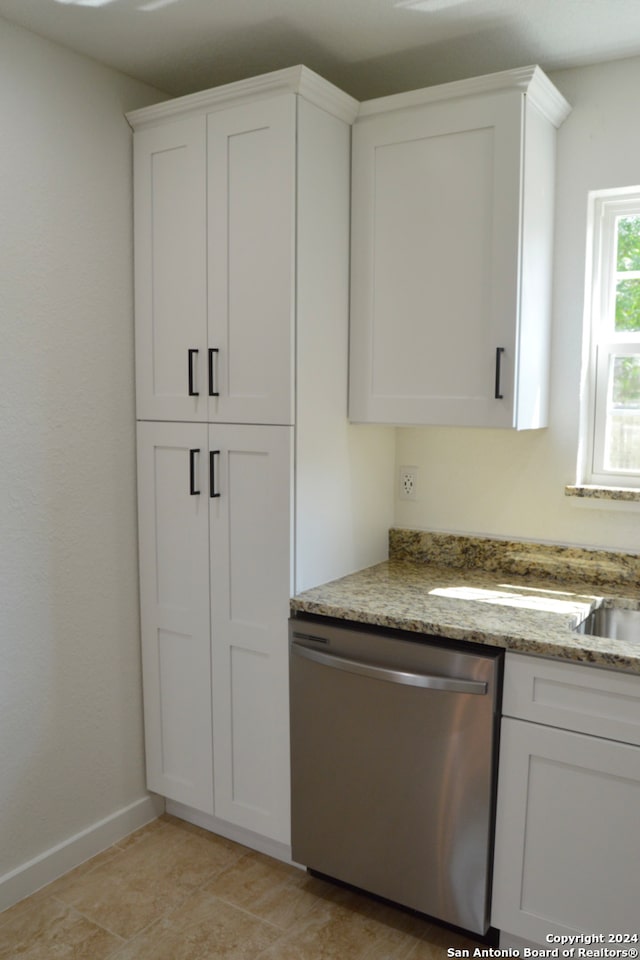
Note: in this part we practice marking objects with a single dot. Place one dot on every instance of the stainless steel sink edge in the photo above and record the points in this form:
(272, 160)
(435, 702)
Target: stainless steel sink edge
(611, 619)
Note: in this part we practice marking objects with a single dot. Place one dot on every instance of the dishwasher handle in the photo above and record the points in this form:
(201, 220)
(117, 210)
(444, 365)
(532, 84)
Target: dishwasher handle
(427, 681)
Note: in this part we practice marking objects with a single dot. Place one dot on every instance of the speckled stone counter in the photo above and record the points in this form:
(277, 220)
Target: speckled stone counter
(520, 596)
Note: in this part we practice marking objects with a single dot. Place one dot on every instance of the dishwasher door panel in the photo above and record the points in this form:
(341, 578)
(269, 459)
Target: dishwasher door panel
(392, 783)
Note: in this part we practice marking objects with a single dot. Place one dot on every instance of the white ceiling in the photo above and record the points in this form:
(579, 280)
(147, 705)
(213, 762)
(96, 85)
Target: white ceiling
(368, 47)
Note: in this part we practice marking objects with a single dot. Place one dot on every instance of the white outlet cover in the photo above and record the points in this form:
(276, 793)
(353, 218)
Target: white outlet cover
(407, 482)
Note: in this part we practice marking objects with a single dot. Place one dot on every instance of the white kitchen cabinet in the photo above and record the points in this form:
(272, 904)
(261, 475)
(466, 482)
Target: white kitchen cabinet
(170, 215)
(250, 543)
(173, 522)
(214, 247)
(243, 257)
(452, 227)
(251, 224)
(204, 492)
(567, 852)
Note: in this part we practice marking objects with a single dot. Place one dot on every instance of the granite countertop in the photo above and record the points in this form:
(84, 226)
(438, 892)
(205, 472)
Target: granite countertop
(522, 597)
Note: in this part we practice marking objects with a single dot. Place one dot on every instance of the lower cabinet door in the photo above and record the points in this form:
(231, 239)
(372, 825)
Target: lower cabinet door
(214, 510)
(567, 856)
(173, 512)
(250, 589)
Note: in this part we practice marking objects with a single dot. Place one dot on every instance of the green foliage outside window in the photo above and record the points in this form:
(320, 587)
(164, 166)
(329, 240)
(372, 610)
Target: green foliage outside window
(628, 291)
(626, 381)
(628, 243)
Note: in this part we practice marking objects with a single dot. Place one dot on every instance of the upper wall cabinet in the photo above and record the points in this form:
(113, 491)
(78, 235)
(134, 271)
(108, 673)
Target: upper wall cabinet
(214, 214)
(452, 228)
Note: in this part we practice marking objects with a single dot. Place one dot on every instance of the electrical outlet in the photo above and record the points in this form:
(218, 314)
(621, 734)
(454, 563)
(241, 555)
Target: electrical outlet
(408, 483)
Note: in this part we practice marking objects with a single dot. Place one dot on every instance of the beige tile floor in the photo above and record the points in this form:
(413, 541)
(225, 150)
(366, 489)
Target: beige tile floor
(172, 891)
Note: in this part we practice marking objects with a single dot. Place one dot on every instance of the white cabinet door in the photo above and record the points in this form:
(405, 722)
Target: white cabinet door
(215, 560)
(171, 271)
(251, 209)
(567, 857)
(173, 511)
(215, 234)
(250, 570)
(435, 262)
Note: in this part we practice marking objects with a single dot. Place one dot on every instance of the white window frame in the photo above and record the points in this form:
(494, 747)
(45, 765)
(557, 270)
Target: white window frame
(601, 342)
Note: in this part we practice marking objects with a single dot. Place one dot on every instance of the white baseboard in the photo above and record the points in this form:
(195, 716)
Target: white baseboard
(273, 848)
(53, 863)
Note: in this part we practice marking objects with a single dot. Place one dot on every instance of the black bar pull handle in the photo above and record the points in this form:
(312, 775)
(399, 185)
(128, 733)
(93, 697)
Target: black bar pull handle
(192, 472)
(499, 352)
(212, 473)
(212, 392)
(192, 392)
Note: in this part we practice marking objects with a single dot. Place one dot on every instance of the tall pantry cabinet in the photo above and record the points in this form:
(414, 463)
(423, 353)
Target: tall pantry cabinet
(251, 483)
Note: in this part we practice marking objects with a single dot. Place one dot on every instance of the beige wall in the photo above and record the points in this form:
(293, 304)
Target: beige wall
(507, 484)
(71, 748)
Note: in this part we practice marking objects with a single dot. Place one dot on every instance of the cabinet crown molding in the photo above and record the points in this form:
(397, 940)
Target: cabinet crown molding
(531, 81)
(298, 79)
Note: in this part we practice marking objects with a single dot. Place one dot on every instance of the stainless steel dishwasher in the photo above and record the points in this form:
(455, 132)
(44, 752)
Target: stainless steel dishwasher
(393, 765)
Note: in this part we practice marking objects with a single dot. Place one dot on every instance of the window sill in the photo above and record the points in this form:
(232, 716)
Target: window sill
(603, 495)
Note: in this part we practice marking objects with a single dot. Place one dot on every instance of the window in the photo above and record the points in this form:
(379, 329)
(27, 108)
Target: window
(610, 453)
